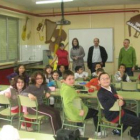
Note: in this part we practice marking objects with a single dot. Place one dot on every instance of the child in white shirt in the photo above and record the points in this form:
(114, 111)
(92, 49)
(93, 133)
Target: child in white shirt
(121, 75)
(79, 73)
(97, 66)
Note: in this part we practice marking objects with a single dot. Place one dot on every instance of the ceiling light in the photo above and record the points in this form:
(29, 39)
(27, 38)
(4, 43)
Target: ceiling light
(51, 1)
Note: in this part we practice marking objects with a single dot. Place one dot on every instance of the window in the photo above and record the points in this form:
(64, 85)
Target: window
(9, 48)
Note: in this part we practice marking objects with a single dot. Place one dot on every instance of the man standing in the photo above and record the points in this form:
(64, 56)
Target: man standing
(127, 56)
(96, 54)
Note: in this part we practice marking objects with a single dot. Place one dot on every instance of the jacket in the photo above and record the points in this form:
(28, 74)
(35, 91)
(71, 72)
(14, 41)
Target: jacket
(104, 56)
(68, 94)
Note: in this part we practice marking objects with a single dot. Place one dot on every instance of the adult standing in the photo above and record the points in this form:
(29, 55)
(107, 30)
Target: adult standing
(77, 54)
(127, 56)
(62, 56)
(96, 54)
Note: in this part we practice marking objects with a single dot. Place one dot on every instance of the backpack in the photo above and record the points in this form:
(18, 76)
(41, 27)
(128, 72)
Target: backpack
(65, 134)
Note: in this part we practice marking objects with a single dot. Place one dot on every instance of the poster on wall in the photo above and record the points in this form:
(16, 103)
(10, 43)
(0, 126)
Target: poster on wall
(134, 22)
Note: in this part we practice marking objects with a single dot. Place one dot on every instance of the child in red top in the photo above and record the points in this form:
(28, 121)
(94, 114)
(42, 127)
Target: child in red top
(62, 56)
(93, 83)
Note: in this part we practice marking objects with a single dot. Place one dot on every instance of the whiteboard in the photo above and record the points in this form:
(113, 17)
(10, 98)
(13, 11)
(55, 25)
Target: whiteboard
(86, 36)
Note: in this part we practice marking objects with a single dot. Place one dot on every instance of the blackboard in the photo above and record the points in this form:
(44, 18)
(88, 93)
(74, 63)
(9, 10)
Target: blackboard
(86, 37)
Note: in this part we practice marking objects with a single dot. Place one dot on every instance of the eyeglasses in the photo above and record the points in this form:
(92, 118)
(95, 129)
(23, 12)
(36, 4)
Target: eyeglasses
(39, 78)
(103, 79)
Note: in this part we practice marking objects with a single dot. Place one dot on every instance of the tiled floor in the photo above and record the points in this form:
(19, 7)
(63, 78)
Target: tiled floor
(46, 128)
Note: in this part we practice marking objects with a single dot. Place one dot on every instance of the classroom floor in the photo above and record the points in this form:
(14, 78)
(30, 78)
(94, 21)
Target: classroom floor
(46, 128)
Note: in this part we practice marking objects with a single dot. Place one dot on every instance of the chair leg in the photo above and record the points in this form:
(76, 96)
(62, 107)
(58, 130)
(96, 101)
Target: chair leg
(121, 133)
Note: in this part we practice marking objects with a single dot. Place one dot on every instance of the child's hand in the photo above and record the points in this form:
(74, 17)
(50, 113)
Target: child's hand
(31, 96)
(81, 113)
(93, 87)
(26, 113)
(8, 95)
(62, 81)
(78, 91)
(120, 102)
(47, 95)
(120, 97)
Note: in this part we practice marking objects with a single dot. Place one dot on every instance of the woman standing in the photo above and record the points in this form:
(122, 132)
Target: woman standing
(62, 56)
(36, 91)
(77, 54)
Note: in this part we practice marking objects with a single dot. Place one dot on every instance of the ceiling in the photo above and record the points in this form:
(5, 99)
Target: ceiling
(30, 4)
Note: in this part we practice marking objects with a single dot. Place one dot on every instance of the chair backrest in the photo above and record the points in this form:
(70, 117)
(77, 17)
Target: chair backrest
(58, 84)
(26, 101)
(4, 100)
(133, 78)
(79, 79)
(115, 107)
(129, 86)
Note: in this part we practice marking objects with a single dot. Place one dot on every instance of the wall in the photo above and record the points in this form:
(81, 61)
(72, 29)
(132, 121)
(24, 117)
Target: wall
(117, 21)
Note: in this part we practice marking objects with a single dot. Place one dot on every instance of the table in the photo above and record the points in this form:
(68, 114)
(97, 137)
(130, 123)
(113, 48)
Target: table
(127, 95)
(3, 87)
(36, 67)
(35, 136)
(24, 135)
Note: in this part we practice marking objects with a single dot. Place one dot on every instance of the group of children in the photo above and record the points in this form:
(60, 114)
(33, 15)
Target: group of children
(34, 88)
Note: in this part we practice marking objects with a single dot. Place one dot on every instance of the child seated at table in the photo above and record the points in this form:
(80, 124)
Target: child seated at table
(93, 83)
(69, 94)
(107, 96)
(80, 74)
(17, 86)
(48, 73)
(121, 75)
(97, 66)
(21, 71)
(55, 82)
(61, 70)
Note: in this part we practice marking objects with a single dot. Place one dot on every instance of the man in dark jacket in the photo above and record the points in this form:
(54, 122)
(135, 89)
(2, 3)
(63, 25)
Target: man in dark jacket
(96, 54)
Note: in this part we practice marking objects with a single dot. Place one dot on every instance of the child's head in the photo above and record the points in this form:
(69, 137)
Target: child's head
(79, 69)
(55, 75)
(20, 70)
(62, 68)
(62, 46)
(97, 66)
(38, 78)
(19, 83)
(48, 69)
(104, 79)
(122, 68)
(99, 71)
(68, 77)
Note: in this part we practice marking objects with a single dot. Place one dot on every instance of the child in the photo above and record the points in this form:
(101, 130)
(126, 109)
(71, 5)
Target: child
(12, 92)
(93, 83)
(97, 66)
(79, 73)
(69, 94)
(36, 91)
(55, 82)
(20, 70)
(48, 73)
(61, 70)
(121, 75)
(107, 96)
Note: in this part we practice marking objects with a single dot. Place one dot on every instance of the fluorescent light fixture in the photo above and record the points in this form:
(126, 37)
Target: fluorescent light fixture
(51, 1)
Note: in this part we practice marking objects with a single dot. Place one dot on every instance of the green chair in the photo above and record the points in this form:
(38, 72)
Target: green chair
(70, 123)
(133, 78)
(6, 113)
(27, 102)
(103, 123)
(129, 86)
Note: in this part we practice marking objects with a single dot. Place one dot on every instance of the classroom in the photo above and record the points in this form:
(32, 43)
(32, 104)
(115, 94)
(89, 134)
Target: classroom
(34, 37)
